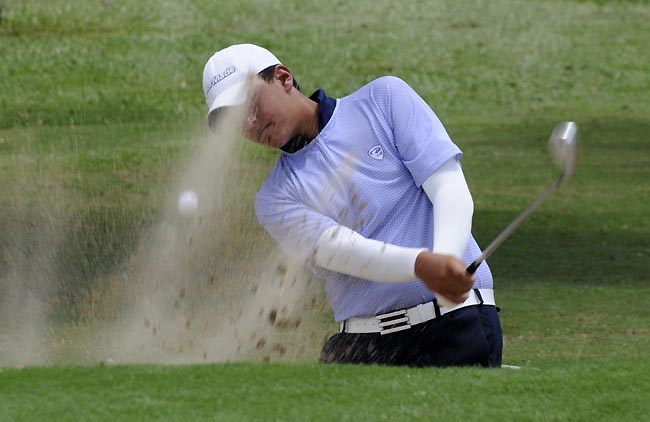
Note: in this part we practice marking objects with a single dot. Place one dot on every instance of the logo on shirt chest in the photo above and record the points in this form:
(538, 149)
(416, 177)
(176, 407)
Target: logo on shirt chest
(376, 152)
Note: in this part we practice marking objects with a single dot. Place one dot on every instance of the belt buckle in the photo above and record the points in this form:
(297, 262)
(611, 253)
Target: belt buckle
(393, 322)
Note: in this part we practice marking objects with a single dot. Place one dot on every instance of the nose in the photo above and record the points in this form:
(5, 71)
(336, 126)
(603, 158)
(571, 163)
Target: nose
(250, 120)
(250, 124)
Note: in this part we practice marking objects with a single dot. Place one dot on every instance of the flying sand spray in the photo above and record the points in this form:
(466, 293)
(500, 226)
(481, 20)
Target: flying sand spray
(205, 284)
(209, 285)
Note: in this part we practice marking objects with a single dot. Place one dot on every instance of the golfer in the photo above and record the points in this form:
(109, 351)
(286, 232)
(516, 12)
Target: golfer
(369, 193)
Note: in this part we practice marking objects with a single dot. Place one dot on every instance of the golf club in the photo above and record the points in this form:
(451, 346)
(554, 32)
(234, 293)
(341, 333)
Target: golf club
(563, 146)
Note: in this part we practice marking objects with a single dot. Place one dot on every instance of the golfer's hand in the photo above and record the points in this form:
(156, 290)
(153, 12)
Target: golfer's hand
(445, 275)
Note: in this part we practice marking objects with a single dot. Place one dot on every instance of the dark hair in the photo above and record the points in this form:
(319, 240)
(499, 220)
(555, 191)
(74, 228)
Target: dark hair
(267, 75)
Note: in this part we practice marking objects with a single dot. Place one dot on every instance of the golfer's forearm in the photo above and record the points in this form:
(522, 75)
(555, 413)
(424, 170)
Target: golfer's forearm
(452, 209)
(343, 250)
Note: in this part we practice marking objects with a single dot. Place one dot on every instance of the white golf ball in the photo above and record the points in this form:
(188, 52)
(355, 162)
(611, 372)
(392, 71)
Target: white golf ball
(188, 203)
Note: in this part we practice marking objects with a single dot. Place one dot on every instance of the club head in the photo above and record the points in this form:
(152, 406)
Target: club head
(563, 146)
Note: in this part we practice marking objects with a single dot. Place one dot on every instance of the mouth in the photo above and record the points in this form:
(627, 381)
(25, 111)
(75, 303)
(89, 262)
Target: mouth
(265, 140)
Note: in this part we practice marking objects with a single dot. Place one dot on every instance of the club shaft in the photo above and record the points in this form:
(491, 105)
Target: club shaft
(513, 226)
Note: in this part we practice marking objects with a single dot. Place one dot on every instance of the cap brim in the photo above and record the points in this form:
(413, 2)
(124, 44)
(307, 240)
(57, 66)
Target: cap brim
(234, 95)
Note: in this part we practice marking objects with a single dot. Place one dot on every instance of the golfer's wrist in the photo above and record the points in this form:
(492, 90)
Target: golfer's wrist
(422, 266)
(432, 268)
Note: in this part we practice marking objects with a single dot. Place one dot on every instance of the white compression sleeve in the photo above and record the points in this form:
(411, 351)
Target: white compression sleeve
(345, 251)
(452, 209)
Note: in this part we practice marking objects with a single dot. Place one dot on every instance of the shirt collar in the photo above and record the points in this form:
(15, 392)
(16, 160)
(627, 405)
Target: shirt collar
(326, 109)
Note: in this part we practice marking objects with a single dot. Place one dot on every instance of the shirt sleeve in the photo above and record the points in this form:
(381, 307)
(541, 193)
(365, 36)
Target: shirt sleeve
(420, 138)
(447, 190)
(295, 226)
(345, 251)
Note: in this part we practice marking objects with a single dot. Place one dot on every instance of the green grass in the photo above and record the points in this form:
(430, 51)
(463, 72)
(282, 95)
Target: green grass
(589, 390)
(101, 108)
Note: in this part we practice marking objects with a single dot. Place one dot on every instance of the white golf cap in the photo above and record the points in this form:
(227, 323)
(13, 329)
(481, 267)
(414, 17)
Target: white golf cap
(225, 74)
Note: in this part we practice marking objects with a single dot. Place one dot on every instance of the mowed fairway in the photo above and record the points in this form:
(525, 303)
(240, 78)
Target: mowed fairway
(101, 107)
(587, 390)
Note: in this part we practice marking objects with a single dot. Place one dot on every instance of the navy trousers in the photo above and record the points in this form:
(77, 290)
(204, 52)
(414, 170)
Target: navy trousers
(469, 336)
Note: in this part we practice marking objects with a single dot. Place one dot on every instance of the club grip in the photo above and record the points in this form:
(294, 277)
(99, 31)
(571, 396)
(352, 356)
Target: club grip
(473, 266)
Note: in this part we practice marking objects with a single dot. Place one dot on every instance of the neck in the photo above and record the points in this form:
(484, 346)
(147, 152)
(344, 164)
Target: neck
(311, 119)
(308, 128)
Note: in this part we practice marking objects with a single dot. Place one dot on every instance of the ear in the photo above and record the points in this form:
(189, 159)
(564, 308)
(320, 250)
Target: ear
(283, 75)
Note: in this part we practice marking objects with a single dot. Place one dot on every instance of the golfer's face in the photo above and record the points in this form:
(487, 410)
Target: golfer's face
(268, 121)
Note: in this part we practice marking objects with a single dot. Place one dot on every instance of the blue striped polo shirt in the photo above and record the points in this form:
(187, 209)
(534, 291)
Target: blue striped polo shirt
(364, 170)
